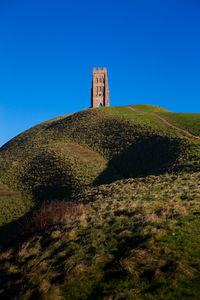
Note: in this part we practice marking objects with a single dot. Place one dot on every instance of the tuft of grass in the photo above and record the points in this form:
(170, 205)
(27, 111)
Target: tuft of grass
(49, 214)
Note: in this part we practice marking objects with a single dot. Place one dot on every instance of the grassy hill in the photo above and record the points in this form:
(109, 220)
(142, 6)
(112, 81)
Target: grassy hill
(188, 121)
(108, 205)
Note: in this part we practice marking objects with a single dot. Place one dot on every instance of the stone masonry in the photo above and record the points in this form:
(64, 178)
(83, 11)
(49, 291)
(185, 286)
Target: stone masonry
(100, 90)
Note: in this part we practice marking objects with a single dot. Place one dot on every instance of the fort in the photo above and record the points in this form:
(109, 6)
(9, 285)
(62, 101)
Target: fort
(100, 90)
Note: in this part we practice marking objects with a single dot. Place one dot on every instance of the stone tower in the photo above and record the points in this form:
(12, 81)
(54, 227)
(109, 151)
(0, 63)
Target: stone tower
(100, 90)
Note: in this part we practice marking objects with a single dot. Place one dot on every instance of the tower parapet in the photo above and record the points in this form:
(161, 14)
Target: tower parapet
(100, 90)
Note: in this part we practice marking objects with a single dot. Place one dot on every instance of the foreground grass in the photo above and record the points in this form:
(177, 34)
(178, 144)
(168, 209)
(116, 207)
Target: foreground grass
(135, 239)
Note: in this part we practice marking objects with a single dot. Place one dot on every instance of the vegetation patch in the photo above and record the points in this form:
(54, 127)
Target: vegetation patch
(49, 214)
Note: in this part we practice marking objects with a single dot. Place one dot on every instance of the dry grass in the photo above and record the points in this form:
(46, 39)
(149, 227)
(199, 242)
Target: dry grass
(55, 212)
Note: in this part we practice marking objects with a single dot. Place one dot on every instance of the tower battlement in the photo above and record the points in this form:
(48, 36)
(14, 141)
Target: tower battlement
(100, 90)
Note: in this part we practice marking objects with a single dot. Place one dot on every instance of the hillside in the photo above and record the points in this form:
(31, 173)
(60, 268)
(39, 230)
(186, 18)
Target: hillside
(186, 121)
(108, 203)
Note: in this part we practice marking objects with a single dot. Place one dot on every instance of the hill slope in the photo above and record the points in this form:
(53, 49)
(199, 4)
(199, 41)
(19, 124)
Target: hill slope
(85, 145)
(127, 228)
(186, 121)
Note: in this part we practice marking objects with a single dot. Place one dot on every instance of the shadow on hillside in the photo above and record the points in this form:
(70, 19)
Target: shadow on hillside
(148, 156)
(10, 233)
(47, 177)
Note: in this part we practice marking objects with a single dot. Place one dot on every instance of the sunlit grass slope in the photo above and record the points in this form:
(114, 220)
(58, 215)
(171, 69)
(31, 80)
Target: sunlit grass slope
(123, 218)
(188, 121)
(149, 108)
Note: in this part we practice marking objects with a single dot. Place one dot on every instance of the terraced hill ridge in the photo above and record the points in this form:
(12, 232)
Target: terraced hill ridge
(102, 203)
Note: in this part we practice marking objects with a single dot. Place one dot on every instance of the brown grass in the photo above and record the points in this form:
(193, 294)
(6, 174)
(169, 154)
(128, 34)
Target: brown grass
(55, 212)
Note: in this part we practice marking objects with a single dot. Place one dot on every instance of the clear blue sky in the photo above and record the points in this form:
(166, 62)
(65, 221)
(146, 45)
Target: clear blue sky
(49, 47)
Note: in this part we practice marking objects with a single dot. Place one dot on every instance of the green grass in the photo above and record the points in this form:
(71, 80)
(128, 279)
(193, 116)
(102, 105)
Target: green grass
(139, 238)
(188, 121)
(12, 205)
(141, 118)
(149, 108)
(130, 228)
